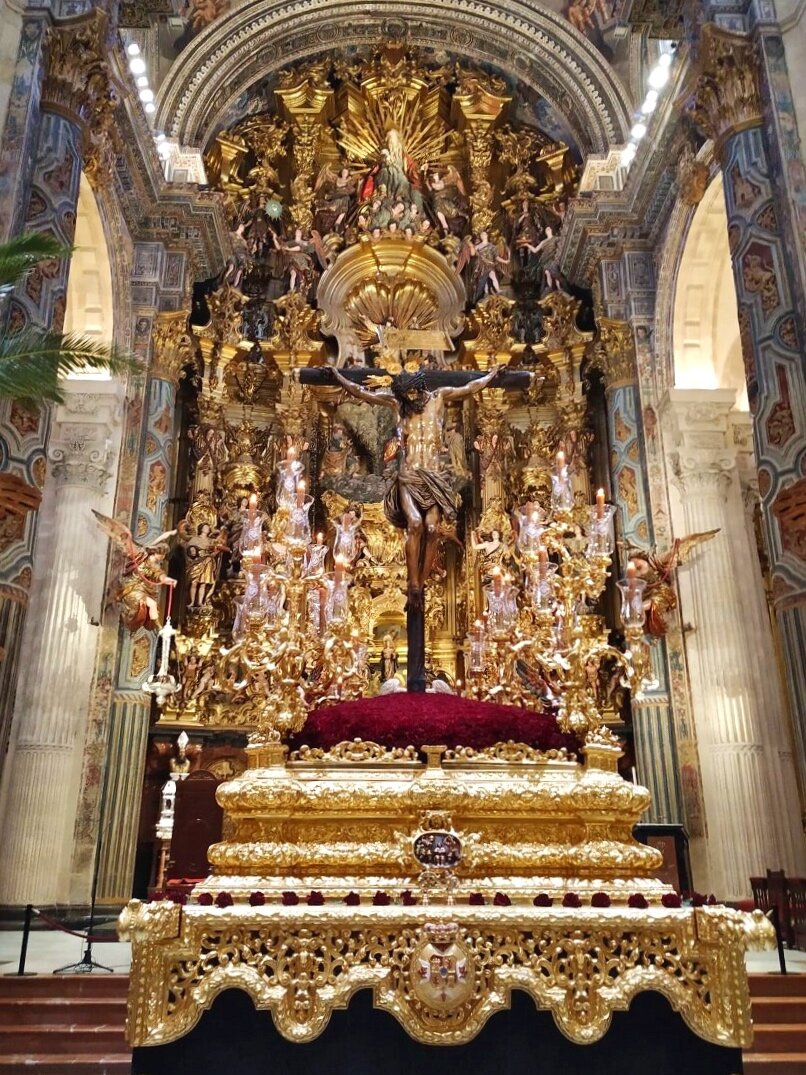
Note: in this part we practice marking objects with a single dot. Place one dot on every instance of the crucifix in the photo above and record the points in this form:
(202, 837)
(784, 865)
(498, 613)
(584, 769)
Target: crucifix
(420, 496)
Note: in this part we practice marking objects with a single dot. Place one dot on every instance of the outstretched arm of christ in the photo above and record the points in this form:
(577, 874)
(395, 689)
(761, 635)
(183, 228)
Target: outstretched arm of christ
(470, 389)
(378, 397)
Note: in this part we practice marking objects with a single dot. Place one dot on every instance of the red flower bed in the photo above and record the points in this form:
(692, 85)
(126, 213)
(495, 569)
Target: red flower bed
(403, 719)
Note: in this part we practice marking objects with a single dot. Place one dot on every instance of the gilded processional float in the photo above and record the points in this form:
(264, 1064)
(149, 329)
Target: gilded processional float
(397, 576)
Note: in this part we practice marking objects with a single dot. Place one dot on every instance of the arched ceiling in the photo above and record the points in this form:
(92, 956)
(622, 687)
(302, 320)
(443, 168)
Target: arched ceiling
(531, 44)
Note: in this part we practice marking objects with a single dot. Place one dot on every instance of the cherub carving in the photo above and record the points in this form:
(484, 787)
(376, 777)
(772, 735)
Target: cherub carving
(138, 588)
(657, 569)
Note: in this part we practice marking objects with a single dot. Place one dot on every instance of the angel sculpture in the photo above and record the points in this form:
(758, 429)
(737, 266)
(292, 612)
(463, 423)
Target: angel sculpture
(448, 199)
(657, 570)
(486, 259)
(143, 574)
(334, 193)
(299, 254)
(548, 266)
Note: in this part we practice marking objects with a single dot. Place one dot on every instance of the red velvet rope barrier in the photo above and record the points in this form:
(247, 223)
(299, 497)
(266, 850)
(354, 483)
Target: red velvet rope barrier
(93, 938)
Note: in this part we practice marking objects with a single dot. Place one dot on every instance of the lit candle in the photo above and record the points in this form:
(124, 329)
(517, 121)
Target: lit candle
(290, 453)
(560, 462)
(600, 503)
(338, 568)
(542, 559)
(631, 574)
(300, 493)
(320, 537)
(252, 503)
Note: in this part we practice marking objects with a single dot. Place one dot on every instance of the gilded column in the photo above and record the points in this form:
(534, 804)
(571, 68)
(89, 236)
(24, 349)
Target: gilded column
(41, 777)
(307, 103)
(172, 349)
(749, 782)
(481, 103)
(75, 81)
(653, 723)
(724, 100)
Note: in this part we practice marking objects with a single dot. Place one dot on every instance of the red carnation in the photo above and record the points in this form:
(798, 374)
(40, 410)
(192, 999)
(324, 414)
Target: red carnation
(501, 899)
(600, 899)
(352, 899)
(381, 899)
(315, 898)
(670, 899)
(257, 899)
(475, 899)
(637, 900)
(223, 899)
(542, 899)
(407, 898)
(205, 899)
(571, 899)
(290, 899)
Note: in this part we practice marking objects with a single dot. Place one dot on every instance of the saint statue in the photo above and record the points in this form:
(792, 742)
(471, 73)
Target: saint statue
(389, 659)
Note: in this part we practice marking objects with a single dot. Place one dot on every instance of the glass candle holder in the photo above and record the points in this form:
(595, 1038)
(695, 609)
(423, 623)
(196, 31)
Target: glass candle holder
(530, 527)
(298, 527)
(632, 601)
(501, 599)
(562, 493)
(600, 530)
(541, 586)
(337, 599)
(289, 473)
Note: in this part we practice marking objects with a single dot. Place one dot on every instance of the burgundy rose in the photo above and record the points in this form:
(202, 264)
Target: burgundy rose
(290, 899)
(501, 899)
(542, 899)
(571, 899)
(315, 898)
(205, 899)
(352, 899)
(257, 899)
(475, 899)
(381, 899)
(670, 899)
(637, 901)
(697, 899)
(600, 899)
(407, 898)
(223, 899)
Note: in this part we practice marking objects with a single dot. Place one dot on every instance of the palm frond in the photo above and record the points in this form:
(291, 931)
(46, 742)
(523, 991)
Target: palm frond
(23, 252)
(33, 360)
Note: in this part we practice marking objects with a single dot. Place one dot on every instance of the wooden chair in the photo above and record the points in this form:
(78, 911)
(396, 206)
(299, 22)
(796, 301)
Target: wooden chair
(779, 898)
(796, 892)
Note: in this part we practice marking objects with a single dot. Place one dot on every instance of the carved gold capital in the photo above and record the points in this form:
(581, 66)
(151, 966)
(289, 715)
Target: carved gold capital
(307, 103)
(172, 346)
(723, 96)
(480, 103)
(614, 352)
(493, 342)
(77, 74)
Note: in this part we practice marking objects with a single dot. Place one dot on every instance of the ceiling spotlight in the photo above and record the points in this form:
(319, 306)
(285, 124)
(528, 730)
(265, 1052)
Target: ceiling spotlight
(159, 137)
(133, 49)
(638, 131)
(665, 59)
(146, 96)
(650, 102)
(628, 153)
(142, 81)
(659, 77)
(150, 108)
(137, 65)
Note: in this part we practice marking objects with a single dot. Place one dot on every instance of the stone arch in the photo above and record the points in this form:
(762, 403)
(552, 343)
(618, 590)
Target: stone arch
(536, 46)
(706, 348)
(90, 303)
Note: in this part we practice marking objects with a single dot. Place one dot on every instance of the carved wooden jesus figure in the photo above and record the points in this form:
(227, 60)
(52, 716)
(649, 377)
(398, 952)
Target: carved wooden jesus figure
(421, 493)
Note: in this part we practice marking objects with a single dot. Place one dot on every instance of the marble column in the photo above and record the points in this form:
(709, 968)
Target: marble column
(131, 707)
(41, 778)
(74, 75)
(653, 722)
(752, 808)
(724, 99)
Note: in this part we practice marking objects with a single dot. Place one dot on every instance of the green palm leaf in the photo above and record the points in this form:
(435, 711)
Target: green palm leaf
(20, 254)
(32, 361)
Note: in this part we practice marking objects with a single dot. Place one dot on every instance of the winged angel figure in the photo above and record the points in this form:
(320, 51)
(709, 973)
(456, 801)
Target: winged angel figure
(658, 569)
(139, 584)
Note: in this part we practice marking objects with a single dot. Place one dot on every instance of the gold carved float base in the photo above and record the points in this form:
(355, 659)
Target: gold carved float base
(442, 972)
(317, 893)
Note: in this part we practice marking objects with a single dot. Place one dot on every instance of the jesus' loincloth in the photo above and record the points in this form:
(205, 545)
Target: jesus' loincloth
(427, 490)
